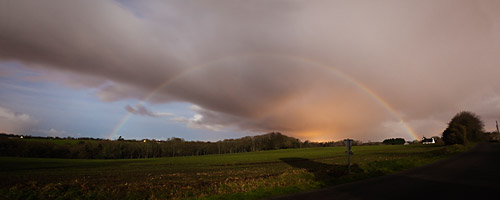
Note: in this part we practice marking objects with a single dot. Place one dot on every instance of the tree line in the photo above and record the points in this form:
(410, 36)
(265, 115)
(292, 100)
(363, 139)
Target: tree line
(464, 127)
(91, 148)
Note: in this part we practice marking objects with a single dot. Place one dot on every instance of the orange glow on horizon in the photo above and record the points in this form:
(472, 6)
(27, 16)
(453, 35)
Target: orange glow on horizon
(315, 136)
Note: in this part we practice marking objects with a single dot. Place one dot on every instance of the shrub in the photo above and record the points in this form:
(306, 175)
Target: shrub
(394, 141)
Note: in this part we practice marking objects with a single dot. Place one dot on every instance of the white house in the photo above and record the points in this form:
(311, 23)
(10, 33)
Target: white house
(428, 140)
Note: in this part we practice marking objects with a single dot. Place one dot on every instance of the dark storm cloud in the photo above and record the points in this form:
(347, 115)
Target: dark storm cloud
(97, 38)
(427, 59)
(140, 110)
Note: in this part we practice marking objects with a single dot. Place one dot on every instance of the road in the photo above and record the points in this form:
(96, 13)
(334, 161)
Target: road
(471, 175)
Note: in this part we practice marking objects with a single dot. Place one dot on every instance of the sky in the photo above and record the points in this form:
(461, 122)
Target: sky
(215, 69)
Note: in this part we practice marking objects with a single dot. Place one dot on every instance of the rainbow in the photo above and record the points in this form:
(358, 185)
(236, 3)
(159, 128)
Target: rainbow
(358, 84)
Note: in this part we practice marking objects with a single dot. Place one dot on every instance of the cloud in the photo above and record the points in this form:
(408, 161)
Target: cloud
(15, 123)
(53, 132)
(140, 110)
(163, 114)
(197, 121)
(309, 69)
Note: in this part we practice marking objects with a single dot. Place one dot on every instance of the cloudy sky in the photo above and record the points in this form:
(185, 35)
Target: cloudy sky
(215, 69)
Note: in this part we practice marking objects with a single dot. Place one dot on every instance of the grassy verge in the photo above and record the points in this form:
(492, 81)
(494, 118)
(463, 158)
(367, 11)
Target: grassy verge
(232, 176)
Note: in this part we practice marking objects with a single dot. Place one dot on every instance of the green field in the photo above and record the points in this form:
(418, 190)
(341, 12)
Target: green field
(230, 176)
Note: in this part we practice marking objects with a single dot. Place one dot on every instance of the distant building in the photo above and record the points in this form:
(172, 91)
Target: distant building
(428, 140)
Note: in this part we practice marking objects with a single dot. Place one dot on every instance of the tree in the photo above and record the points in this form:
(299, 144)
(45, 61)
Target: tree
(464, 127)
(455, 134)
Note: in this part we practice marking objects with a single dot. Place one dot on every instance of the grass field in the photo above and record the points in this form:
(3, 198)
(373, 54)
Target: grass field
(230, 176)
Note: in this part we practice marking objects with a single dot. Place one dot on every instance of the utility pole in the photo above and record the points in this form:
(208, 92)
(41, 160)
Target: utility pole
(498, 132)
(497, 128)
(348, 144)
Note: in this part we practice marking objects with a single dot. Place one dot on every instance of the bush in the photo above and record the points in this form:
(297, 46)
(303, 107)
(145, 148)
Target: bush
(394, 141)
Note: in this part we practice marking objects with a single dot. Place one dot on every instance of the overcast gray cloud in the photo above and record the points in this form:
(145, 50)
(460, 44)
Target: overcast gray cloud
(265, 65)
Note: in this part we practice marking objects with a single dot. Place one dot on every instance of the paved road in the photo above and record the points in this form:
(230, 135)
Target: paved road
(471, 175)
